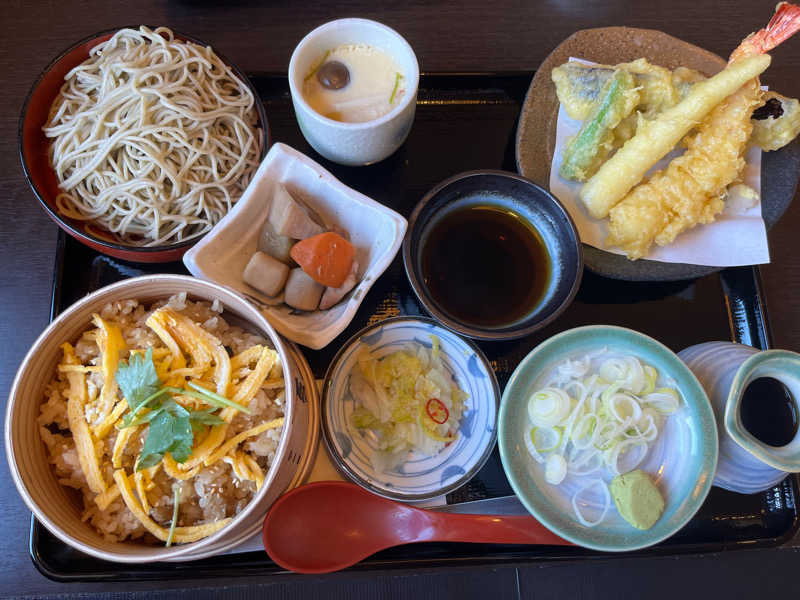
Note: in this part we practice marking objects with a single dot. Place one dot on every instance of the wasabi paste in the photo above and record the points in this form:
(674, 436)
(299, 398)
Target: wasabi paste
(637, 498)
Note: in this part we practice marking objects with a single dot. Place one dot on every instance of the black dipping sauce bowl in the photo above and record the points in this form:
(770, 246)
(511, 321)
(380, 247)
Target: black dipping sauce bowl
(459, 224)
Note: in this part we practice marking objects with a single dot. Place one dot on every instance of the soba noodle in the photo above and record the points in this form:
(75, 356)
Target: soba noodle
(154, 139)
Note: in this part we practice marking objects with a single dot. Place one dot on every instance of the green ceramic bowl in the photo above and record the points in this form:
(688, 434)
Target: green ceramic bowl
(681, 461)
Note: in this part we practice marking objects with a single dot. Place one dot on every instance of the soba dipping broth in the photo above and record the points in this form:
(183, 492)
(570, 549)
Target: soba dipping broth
(354, 83)
(485, 265)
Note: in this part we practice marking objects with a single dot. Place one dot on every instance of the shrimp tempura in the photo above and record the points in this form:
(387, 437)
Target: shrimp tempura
(692, 188)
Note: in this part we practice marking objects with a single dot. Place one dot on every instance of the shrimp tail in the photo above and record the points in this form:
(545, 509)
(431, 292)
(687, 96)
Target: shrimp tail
(692, 189)
(783, 25)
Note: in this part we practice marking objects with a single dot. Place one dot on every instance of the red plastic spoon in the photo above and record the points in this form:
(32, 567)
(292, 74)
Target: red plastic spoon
(331, 525)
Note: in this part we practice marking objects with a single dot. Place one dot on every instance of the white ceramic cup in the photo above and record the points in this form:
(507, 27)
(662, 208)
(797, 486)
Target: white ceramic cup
(354, 143)
(746, 464)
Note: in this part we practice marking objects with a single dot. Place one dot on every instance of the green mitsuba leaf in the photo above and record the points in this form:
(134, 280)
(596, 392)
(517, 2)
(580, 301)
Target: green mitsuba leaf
(171, 426)
(158, 441)
(129, 420)
(145, 462)
(181, 448)
(167, 433)
(205, 417)
(175, 409)
(138, 379)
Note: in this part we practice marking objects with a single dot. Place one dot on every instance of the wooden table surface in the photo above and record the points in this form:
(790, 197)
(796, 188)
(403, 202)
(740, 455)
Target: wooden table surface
(499, 35)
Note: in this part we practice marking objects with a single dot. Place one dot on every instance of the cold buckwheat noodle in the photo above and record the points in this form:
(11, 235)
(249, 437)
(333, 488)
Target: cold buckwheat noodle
(154, 139)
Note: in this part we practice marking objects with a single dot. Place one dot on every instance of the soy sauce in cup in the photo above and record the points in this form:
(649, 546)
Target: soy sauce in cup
(769, 412)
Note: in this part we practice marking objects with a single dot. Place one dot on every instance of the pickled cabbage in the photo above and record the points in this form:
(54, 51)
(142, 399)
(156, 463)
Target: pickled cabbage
(408, 400)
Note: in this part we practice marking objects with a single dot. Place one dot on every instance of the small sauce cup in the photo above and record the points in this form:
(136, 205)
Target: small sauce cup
(354, 144)
(527, 202)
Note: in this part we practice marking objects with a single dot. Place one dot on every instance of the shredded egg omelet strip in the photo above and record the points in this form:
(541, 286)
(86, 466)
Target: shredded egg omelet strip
(189, 352)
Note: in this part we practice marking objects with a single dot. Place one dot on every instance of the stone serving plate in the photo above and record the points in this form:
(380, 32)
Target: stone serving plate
(536, 134)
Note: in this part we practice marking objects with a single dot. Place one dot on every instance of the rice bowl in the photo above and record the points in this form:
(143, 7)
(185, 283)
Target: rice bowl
(208, 494)
(57, 508)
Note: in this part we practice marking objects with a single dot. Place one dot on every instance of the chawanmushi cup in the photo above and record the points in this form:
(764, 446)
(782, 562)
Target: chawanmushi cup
(354, 144)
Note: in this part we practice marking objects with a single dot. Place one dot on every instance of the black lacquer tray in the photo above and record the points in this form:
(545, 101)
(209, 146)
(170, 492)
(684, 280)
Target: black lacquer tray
(468, 121)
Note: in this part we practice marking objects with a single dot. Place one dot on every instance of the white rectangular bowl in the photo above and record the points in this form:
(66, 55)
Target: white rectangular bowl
(375, 230)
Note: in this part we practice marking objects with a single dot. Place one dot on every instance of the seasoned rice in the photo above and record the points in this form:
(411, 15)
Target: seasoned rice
(215, 492)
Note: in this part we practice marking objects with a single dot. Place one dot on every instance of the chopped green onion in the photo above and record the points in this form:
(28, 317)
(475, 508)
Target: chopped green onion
(584, 428)
(606, 444)
(319, 64)
(610, 391)
(551, 432)
(555, 469)
(617, 415)
(397, 78)
(665, 400)
(549, 407)
(532, 448)
(577, 500)
(616, 407)
(175, 501)
(650, 375)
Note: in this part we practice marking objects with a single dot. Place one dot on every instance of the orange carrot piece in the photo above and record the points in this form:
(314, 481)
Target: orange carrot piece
(325, 257)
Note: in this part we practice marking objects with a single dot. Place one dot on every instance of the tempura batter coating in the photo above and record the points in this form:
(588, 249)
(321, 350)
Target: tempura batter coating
(775, 132)
(691, 190)
(655, 139)
(578, 87)
(584, 153)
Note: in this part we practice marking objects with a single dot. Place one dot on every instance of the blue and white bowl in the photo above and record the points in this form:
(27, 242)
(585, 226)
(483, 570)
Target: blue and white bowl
(420, 477)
